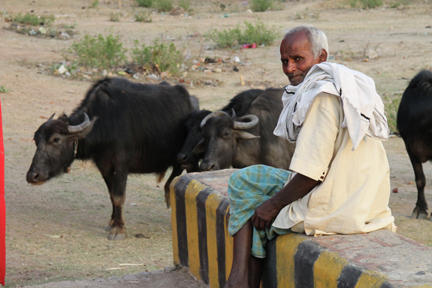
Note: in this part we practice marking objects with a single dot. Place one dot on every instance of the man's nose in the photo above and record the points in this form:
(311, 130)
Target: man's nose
(290, 67)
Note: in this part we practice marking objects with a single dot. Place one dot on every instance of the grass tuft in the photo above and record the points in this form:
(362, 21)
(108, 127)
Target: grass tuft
(34, 20)
(231, 38)
(99, 51)
(159, 57)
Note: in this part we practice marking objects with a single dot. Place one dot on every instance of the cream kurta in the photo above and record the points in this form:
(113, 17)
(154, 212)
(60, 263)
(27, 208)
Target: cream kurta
(354, 193)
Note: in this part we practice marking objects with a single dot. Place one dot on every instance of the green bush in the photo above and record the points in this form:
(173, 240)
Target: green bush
(159, 57)
(115, 17)
(94, 4)
(391, 106)
(145, 3)
(143, 16)
(185, 4)
(3, 89)
(261, 5)
(163, 5)
(366, 4)
(100, 52)
(228, 38)
(234, 37)
(34, 20)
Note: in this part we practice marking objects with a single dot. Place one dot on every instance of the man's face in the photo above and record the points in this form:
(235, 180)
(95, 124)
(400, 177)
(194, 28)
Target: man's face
(297, 57)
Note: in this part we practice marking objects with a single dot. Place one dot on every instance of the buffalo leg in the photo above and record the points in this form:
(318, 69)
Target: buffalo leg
(176, 170)
(420, 211)
(115, 181)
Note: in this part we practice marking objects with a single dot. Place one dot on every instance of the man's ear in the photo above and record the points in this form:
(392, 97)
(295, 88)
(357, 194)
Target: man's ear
(323, 56)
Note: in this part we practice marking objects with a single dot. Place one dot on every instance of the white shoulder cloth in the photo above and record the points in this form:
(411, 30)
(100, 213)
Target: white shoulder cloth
(362, 106)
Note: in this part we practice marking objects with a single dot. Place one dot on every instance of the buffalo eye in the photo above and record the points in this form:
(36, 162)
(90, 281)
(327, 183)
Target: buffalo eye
(56, 140)
(226, 134)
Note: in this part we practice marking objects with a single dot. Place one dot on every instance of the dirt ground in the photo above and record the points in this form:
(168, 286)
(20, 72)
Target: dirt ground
(56, 231)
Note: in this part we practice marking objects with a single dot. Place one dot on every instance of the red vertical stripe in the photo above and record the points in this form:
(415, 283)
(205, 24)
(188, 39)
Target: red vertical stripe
(2, 209)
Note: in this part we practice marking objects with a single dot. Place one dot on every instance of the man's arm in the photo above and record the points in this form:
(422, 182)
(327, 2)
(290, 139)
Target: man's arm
(298, 187)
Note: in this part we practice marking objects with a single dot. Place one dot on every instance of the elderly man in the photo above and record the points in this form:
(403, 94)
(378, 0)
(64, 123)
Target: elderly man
(339, 174)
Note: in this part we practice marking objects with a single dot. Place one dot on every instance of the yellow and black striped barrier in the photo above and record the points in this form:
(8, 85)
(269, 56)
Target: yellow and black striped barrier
(201, 242)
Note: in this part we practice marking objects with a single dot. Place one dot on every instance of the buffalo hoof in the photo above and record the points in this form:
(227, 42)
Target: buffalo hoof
(419, 213)
(117, 233)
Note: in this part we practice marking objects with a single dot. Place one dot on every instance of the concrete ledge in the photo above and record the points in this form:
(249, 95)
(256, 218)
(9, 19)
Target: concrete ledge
(201, 243)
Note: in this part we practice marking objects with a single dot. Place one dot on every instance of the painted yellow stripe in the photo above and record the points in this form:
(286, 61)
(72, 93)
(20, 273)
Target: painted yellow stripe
(369, 279)
(211, 205)
(286, 247)
(228, 247)
(192, 191)
(327, 269)
(174, 222)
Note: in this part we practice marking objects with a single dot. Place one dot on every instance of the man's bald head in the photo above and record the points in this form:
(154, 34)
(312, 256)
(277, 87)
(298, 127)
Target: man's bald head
(301, 48)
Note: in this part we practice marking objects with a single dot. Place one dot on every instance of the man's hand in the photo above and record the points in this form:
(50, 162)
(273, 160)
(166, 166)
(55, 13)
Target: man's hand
(264, 215)
(297, 188)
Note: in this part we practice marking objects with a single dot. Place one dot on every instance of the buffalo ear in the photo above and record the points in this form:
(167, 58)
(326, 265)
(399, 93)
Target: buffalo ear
(245, 135)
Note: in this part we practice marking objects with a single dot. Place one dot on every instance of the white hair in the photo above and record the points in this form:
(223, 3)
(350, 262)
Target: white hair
(316, 37)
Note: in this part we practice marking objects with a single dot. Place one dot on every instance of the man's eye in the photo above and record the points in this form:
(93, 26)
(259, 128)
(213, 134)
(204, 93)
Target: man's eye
(285, 62)
(297, 59)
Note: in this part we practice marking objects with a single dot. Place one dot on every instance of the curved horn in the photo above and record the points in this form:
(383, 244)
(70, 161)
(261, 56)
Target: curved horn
(51, 117)
(211, 115)
(80, 127)
(246, 122)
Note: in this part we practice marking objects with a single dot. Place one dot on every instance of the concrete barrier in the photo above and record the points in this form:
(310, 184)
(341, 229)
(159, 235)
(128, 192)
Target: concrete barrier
(201, 243)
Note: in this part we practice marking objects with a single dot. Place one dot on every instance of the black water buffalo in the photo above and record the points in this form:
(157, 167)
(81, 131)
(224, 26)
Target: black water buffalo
(414, 122)
(193, 148)
(123, 127)
(240, 141)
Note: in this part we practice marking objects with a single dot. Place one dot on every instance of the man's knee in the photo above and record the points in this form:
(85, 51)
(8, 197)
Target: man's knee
(244, 173)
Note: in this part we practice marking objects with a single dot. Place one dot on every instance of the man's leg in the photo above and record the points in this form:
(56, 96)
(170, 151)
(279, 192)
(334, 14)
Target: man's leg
(255, 271)
(241, 257)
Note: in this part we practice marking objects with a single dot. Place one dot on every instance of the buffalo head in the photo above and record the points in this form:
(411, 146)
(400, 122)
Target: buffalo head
(192, 150)
(56, 143)
(222, 132)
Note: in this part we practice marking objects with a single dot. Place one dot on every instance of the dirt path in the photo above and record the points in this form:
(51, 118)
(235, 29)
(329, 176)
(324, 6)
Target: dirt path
(56, 231)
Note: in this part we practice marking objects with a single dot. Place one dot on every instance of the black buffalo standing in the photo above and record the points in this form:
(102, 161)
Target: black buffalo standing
(414, 122)
(240, 141)
(123, 127)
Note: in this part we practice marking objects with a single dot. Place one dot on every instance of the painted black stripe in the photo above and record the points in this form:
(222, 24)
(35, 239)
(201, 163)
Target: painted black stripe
(304, 259)
(220, 238)
(180, 189)
(349, 277)
(202, 229)
(269, 278)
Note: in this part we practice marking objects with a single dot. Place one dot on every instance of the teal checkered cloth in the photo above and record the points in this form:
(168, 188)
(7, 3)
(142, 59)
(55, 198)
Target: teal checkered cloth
(248, 188)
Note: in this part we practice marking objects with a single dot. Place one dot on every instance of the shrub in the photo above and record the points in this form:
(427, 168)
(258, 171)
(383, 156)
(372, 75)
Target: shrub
(261, 5)
(163, 5)
(228, 38)
(185, 4)
(115, 17)
(159, 57)
(100, 52)
(145, 3)
(391, 106)
(231, 38)
(143, 16)
(3, 89)
(366, 4)
(94, 4)
(34, 20)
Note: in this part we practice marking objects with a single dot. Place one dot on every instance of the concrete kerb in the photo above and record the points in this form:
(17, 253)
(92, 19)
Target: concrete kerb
(201, 243)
